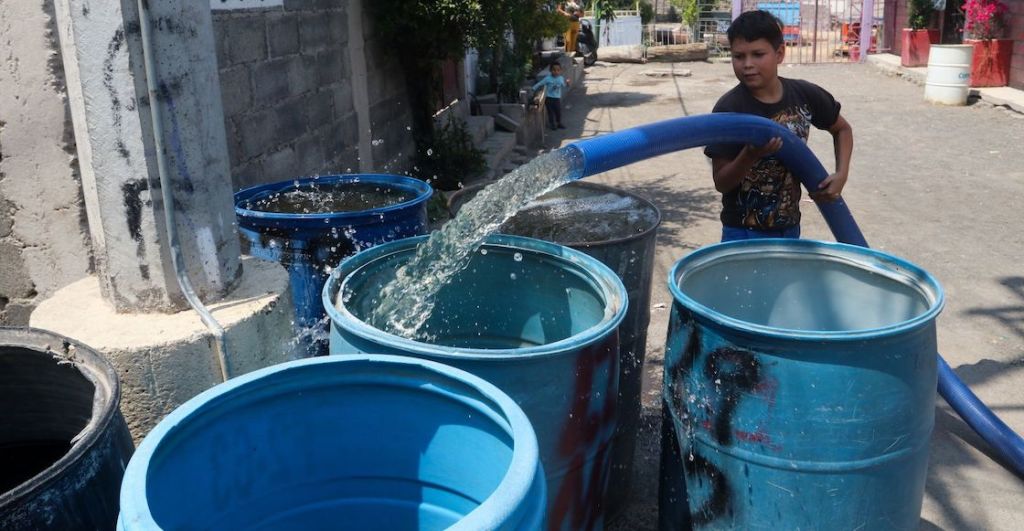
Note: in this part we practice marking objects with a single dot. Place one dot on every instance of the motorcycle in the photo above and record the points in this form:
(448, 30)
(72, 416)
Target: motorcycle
(586, 43)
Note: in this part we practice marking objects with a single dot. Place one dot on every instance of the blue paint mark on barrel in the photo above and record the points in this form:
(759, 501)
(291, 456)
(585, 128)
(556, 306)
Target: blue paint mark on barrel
(355, 442)
(309, 243)
(800, 382)
(536, 319)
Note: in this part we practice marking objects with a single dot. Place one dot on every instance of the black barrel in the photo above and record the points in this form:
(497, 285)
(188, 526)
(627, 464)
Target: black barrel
(63, 442)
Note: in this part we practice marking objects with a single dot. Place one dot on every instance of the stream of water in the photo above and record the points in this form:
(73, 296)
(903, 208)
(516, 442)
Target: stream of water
(407, 302)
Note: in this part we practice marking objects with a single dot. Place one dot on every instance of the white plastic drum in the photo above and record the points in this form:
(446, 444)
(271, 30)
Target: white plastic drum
(949, 74)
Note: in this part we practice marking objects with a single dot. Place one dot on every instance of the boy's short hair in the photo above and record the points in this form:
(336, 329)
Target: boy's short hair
(754, 25)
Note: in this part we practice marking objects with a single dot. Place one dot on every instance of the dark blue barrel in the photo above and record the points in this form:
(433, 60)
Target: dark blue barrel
(619, 229)
(800, 380)
(311, 232)
(360, 442)
(64, 443)
(536, 319)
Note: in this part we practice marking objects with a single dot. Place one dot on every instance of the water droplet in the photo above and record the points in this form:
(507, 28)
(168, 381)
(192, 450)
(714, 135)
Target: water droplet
(430, 152)
(518, 257)
(512, 276)
(483, 251)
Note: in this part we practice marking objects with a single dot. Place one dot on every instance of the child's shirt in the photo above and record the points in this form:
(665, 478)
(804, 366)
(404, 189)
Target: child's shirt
(552, 84)
(768, 198)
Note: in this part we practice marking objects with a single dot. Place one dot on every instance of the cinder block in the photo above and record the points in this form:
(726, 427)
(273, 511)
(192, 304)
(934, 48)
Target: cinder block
(281, 165)
(309, 155)
(319, 108)
(291, 121)
(236, 90)
(257, 132)
(329, 66)
(314, 32)
(270, 81)
(283, 34)
(220, 36)
(302, 75)
(247, 39)
(343, 103)
(337, 23)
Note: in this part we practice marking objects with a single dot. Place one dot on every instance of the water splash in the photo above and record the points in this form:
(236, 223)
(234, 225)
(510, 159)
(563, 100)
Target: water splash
(407, 302)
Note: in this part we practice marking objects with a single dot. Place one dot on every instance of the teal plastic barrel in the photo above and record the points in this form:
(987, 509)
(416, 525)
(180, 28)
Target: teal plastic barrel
(359, 442)
(619, 229)
(536, 319)
(800, 379)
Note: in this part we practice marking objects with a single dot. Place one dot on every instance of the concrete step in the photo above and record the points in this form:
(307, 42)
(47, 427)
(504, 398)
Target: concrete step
(480, 128)
(499, 146)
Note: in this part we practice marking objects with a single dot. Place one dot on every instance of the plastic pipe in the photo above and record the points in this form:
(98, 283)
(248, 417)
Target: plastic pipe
(606, 152)
(610, 151)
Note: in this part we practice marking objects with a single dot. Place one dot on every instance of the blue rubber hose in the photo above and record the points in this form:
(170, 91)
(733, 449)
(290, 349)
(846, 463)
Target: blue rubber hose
(606, 152)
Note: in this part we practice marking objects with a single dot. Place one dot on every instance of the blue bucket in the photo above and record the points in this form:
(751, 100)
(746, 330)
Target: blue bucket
(361, 442)
(309, 244)
(536, 319)
(800, 381)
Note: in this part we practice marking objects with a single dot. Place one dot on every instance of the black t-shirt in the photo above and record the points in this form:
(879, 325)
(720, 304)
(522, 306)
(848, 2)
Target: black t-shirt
(768, 198)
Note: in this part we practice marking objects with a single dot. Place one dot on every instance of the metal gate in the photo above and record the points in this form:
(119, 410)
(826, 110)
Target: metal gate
(823, 31)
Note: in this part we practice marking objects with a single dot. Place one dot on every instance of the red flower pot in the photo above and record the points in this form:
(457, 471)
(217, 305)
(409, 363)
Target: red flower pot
(990, 64)
(916, 44)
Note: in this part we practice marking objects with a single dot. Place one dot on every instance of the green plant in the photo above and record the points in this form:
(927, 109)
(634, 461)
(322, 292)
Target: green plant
(448, 157)
(689, 12)
(646, 12)
(919, 13)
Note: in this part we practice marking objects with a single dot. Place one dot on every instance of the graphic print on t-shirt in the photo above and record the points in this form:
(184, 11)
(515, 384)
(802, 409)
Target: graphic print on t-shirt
(769, 194)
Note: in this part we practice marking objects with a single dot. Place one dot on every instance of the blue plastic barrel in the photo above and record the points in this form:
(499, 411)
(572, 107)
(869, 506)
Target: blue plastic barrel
(800, 380)
(359, 442)
(534, 318)
(309, 244)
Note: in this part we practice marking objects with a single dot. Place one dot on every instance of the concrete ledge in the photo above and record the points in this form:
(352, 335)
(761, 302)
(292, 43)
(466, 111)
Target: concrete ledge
(162, 360)
(1003, 96)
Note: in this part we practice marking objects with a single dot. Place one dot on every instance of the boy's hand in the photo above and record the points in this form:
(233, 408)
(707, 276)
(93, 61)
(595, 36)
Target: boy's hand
(830, 188)
(769, 148)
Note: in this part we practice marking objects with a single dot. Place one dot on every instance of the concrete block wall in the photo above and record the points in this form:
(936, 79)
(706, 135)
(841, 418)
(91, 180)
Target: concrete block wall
(44, 243)
(286, 81)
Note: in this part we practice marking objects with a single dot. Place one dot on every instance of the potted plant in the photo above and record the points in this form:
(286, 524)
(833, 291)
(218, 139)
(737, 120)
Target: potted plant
(984, 24)
(918, 38)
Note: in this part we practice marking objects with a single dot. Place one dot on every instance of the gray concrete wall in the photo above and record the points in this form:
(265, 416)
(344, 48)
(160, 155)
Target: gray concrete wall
(44, 242)
(286, 80)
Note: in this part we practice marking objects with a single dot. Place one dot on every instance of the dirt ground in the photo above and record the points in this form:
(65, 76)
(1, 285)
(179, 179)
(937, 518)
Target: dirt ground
(942, 187)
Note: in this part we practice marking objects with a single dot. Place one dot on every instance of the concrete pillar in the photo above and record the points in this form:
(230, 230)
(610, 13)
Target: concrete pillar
(360, 83)
(107, 91)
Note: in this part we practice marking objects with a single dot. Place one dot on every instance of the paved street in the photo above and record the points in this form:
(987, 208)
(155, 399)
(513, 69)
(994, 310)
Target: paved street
(942, 187)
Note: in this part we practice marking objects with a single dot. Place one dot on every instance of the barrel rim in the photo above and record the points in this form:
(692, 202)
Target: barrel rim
(935, 299)
(595, 186)
(523, 471)
(422, 190)
(607, 281)
(105, 406)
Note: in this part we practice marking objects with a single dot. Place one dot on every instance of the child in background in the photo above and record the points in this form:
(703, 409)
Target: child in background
(760, 197)
(553, 84)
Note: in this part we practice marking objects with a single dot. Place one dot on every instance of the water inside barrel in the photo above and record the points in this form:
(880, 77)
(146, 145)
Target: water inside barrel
(328, 198)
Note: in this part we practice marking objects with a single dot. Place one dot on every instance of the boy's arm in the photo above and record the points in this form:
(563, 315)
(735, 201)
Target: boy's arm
(842, 140)
(540, 83)
(728, 174)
